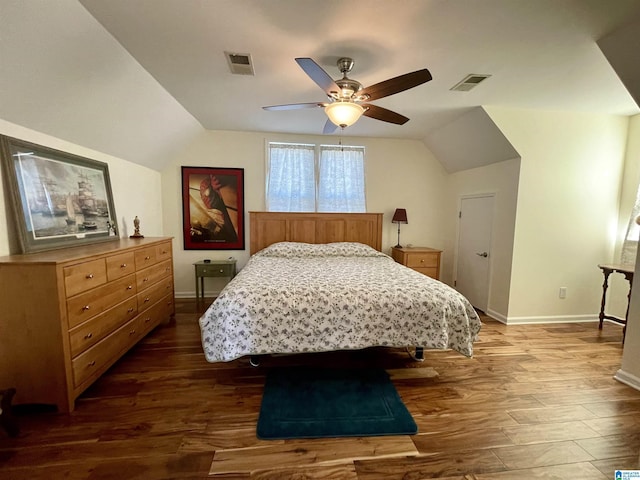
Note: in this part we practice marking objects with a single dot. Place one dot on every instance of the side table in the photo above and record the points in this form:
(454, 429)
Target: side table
(421, 259)
(627, 271)
(214, 268)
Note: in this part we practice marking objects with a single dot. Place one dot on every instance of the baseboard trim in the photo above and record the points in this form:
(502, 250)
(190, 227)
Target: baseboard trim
(551, 319)
(496, 316)
(192, 295)
(627, 379)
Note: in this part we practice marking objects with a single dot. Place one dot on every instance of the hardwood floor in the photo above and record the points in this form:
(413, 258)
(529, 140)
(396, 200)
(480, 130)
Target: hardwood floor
(535, 402)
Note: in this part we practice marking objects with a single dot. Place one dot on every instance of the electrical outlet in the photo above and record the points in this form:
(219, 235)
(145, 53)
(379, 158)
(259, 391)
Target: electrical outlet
(562, 293)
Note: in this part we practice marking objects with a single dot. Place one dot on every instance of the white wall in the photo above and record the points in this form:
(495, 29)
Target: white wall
(136, 189)
(399, 173)
(500, 179)
(567, 218)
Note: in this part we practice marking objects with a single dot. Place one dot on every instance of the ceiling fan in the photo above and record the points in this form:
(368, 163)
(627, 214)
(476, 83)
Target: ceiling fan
(348, 99)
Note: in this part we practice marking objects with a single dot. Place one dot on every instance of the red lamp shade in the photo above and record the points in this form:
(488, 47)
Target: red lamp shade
(400, 216)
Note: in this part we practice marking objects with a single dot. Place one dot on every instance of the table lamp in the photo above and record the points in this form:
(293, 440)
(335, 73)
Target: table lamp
(400, 216)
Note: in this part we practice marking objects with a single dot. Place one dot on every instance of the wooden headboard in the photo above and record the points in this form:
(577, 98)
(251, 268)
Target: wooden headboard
(272, 227)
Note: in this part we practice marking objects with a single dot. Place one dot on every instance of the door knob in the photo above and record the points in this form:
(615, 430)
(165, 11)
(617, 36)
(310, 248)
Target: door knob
(483, 254)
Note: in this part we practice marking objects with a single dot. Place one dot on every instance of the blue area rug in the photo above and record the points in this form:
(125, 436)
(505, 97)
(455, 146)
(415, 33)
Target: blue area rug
(318, 403)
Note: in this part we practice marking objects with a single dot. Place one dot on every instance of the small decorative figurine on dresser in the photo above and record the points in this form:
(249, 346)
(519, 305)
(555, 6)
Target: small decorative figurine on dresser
(136, 229)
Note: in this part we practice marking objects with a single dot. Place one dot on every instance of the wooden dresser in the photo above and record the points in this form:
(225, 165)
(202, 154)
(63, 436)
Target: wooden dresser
(67, 315)
(421, 259)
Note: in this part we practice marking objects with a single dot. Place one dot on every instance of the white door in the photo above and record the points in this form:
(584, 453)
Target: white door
(474, 249)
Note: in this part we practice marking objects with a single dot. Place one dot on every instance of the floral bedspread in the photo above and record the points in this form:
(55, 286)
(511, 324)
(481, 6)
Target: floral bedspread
(297, 297)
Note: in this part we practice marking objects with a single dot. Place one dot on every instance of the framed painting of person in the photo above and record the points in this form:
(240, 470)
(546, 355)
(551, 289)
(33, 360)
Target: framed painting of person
(213, 208)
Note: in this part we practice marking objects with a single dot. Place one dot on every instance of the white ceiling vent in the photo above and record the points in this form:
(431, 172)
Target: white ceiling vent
(239, 63)
(470, 81)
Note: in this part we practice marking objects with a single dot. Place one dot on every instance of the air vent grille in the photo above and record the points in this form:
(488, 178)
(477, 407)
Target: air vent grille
(240, 63)
(470, 81)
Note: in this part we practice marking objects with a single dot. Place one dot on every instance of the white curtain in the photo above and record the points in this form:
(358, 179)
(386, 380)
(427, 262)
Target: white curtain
(291, 185)
(341, 179)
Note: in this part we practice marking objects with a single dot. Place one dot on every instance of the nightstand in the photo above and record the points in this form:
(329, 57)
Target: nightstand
(421, 259)
(214, 268)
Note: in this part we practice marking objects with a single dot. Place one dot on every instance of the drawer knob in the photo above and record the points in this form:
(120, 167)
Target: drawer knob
(147, 257)
(222, 270)
(86, 307)
(147, 320)
(88, 336)
(146, 300)
(132, 332)
(164, 252)
(90, 276)
(129, 287)
(145, 279)
(91, 364)
(124, 265)
(422, 260)
(167, 269)
(130, 310)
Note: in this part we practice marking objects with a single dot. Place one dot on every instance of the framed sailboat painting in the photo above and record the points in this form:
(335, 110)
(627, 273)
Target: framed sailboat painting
(59, 200)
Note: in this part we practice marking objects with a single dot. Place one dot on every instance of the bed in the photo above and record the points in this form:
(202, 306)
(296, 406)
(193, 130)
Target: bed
(335, 292)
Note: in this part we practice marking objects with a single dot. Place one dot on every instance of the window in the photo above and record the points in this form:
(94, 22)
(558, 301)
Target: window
(310, 178)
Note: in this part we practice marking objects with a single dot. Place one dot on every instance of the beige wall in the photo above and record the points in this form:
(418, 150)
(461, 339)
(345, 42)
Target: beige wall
(500, 179)
(136, 189)
(567, 218)
(399, 173)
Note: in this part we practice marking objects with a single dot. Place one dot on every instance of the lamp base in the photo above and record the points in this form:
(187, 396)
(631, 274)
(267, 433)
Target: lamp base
(398, 246)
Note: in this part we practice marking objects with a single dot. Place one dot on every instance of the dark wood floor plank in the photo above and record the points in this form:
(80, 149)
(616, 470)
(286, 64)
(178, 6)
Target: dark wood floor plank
(458, 464)
(542, 454)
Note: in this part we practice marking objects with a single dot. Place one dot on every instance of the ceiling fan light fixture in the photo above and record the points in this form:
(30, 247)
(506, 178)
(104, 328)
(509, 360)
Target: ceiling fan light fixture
(344, 114)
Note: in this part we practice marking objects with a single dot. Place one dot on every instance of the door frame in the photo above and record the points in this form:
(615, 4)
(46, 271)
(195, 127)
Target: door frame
(493, 195)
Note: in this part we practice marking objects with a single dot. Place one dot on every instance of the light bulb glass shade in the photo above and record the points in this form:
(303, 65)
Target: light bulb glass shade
(344, 114)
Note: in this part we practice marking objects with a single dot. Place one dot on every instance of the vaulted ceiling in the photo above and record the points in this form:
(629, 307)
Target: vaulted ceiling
(540, 54)
(138, 78)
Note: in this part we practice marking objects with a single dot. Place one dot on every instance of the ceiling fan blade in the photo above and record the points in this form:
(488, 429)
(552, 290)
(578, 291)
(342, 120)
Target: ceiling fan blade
(295, 106)
(379, 113)
(329, 127)
(318, 75)
(396, 84)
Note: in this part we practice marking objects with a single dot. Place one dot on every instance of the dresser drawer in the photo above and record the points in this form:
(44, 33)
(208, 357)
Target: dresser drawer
(84, 276)
(422, 260)
(96, 359)
(119, 266)
(163, 251)
(158, 313)
(429, 272)
(147, 277)
(216, 270)
(151, 295)
(86, 305)
(92, 331)
(146, 257)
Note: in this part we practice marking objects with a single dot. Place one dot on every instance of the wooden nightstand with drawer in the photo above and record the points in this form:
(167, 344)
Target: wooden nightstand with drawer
(421, 259)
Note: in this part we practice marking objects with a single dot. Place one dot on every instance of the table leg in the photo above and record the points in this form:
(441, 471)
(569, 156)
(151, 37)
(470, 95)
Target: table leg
(202, 288)
(629, 277)
(605, 286)
(197, 291)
